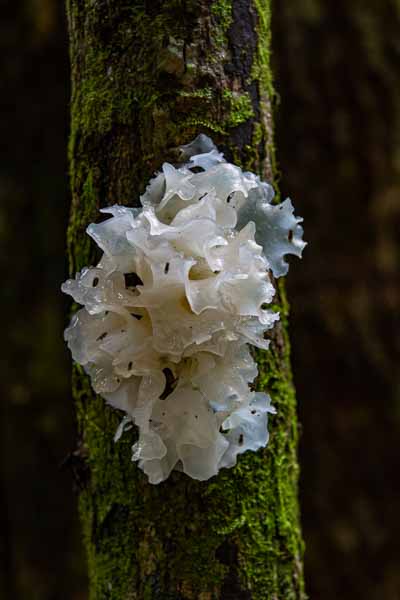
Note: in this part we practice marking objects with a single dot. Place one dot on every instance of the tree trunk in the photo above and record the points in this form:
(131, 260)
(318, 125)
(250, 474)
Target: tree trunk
(146, 77)
(339, 131)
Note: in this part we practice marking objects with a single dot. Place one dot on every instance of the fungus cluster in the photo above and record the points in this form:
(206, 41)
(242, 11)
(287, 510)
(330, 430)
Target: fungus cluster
(183, 287)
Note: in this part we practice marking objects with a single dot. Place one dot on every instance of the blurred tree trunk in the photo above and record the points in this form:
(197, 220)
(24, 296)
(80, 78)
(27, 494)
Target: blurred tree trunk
(338, 67)
(147, 77)
(39, 527)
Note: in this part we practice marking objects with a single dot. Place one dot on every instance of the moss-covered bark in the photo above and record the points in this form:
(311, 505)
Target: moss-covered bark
(148, 76)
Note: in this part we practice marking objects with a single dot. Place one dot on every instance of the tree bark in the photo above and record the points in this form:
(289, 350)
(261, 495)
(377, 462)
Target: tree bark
(146, 77)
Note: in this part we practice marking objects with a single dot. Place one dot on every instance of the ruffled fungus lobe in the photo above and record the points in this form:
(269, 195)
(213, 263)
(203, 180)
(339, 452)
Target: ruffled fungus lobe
(182, 288)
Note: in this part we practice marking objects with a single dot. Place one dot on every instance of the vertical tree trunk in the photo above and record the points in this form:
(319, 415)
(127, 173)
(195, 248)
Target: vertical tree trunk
(340, 112)
(146, 77)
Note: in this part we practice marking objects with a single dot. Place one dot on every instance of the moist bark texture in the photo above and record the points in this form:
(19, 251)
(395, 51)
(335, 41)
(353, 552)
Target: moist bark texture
(147, 77)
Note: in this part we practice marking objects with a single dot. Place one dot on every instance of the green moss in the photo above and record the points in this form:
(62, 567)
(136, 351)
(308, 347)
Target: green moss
(80, 249)
(239, 108)
(209, 126)
(221, 10)
(263, 73)
(206, 93)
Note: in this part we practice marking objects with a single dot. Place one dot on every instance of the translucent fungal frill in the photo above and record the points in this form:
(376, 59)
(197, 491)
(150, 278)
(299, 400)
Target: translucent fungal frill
(182, 288)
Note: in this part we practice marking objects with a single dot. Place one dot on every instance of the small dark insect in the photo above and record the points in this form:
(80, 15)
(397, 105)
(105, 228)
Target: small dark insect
(102, 336)
(229, 198)
(166, 268)
(241, 439)
(290, 235)
(132, 280)
(253, 412)
(130, 366)
(95, 281)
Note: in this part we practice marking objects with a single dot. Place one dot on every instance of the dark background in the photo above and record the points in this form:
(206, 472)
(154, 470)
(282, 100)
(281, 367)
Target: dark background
(337, 71)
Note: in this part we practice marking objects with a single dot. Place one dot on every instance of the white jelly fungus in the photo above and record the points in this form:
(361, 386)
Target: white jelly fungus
(182, 288)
